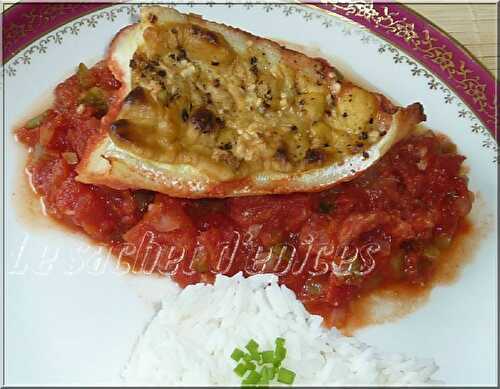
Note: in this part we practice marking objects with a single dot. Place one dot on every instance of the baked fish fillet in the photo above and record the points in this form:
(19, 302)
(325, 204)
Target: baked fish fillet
(208, 110)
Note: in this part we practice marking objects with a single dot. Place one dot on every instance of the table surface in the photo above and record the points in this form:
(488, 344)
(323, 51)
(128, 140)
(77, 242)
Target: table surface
(471, 24)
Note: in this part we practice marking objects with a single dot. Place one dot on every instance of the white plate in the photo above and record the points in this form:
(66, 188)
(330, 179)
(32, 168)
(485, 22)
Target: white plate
(67, 324)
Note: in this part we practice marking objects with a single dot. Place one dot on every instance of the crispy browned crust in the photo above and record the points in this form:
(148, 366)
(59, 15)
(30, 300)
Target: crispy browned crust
(292, 57)
(132, 172)
(113, 111)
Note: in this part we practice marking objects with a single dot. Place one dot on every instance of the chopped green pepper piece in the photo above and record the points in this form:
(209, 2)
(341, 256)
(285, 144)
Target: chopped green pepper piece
(95, 98)
(85, 77)
(442, 241)
(36, 121)
(431, 252)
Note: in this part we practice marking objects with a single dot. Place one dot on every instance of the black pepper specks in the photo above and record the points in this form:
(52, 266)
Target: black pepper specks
(253, 65)
(314, 155)
(203, 120)
(136, 95)
(281, 154)
(208, 98)
(152, 18)
(206, 35)
(366, 155)
(181, 55)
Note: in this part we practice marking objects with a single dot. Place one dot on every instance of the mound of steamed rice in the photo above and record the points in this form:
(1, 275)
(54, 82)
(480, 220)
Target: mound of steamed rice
(190, 340)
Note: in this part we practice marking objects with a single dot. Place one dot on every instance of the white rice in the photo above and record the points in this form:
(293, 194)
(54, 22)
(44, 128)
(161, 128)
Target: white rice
(190, 340)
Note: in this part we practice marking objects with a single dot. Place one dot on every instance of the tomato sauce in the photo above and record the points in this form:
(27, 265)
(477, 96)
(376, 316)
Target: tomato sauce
(386, 227)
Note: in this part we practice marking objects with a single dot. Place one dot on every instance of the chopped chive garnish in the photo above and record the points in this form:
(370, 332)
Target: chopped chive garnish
(255, 356)
(286, 376)
(241, 369)
(252, 346)
(250, 366)
(268, 372)
(279, 354)
(247, 357)
(261, 368)
(237, 354)
(252, 379)
(267, 356)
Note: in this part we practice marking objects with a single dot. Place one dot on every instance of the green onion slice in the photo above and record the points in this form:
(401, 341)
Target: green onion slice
(241, 369)
(252, 346)
(237, 354)
(252, 379)
(286, 376)
(267, 356)
(261, 368)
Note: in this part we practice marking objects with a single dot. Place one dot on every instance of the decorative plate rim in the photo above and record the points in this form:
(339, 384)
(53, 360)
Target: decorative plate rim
(23, 23)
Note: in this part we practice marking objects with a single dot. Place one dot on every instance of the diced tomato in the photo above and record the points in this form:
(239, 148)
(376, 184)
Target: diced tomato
(104, 78)
(413, 199)
(276, 216)
(80, 131)
(28, 136)
(317, 233)
(67, 95)
(48, 173)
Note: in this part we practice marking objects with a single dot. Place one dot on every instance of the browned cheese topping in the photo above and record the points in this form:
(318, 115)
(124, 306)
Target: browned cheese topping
(234, 111)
